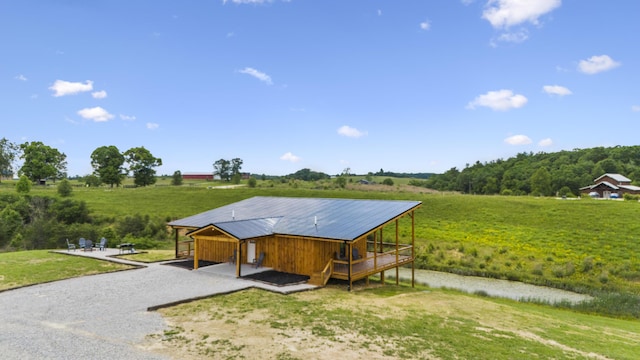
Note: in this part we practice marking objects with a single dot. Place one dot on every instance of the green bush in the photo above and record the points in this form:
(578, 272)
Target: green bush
(64, 188)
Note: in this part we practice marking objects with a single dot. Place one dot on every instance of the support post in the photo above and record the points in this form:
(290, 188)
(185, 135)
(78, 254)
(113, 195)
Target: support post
(195, 253)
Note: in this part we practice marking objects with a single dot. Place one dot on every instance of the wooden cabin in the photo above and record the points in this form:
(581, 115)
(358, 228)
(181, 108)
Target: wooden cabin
(320, 238)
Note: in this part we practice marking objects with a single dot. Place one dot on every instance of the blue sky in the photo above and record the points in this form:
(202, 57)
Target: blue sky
(404, 86)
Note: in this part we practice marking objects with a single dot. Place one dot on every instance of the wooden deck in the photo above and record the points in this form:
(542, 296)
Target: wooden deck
(373, 263)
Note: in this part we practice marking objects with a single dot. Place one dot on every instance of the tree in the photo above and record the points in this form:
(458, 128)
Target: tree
(176, 179)
(541, 182)
(236, 165)
(42, 162)
(108, 165)
(227, 169)
(64, 188)
(141, 164)
(8, 153)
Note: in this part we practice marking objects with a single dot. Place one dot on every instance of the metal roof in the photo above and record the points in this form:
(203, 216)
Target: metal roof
(616, 177)
(340, 219)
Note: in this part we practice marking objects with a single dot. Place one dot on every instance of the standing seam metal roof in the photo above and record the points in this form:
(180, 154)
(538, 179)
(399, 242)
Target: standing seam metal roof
(340, 219)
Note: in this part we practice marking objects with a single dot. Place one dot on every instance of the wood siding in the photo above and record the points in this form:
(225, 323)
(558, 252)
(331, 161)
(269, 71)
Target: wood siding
(215, 248)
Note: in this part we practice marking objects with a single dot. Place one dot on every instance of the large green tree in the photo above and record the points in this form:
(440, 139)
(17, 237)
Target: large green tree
(141, 163)
(541, 182)
(222, 168)
(8, 153)
(42, 162)
(108, 165)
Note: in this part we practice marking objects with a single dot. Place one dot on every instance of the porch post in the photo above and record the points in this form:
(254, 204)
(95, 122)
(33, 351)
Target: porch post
(195, 253)
(397, 255)
(238, 258)
(413, 246)
(349, 267)
(176, 232)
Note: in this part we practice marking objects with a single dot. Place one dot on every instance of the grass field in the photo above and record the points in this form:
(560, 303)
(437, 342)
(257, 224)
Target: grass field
(39, 266)
(583, 245)
(387, 323)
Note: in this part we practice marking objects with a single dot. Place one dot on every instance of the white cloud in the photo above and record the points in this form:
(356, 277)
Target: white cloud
(21, 77)
(635, 108)
(257, 74)
(127, 117)
(290, 157)
(62, 88)
(596, 64)
(514, 37)
(518, 140)
(379, 12)
(348, 131)
(505, 13)
(545, 142)
(425, 25)
(99, 94)
(556, 90)
(152, 126)
(501, 100)
(96, 114)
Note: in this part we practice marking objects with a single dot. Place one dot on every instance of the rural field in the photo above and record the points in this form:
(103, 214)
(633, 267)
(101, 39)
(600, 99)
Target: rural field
(585, 245)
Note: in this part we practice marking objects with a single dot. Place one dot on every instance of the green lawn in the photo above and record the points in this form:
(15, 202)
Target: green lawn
(24, 268)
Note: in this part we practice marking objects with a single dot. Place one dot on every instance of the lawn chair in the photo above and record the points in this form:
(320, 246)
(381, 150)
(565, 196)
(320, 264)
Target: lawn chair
(81, 243)
(88, 245)
(232, 258)
(103, 244)
(356, 255)
(260, 260)
(70, 246)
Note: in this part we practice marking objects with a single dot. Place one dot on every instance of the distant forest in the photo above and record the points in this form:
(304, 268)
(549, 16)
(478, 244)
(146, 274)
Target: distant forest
(559, 173)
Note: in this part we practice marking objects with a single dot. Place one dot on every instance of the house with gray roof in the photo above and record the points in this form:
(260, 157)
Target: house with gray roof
(610, 185)
(318, 237)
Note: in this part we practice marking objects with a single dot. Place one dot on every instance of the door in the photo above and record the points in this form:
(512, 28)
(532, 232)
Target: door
(251, 251)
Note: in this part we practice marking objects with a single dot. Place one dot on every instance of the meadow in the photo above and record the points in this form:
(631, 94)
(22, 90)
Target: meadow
(584, 245)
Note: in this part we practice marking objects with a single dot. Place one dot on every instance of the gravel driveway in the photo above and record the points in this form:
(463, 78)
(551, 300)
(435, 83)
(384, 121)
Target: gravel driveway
(105, 316)
(102, 316)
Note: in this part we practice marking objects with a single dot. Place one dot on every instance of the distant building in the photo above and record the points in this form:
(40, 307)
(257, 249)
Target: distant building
(610, 186)
(197, 176)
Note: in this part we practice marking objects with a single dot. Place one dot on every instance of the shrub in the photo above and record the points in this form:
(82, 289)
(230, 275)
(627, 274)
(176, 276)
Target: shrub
(252, 182)
(387, 181)
(24, 185)
(64, 188)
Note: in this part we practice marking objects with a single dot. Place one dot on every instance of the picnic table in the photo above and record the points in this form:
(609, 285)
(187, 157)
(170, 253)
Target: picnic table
(126, 246)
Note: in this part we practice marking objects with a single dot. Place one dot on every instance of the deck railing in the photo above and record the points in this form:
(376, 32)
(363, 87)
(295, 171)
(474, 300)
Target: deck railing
(373, 263)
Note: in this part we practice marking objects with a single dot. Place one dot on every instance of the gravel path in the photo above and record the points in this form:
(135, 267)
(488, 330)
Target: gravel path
(102, 316)
(105, 316)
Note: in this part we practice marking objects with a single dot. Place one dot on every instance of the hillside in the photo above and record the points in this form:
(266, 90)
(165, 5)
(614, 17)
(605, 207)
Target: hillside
(563, 172)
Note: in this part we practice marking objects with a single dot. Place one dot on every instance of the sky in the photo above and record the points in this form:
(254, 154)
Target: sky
(404, 86)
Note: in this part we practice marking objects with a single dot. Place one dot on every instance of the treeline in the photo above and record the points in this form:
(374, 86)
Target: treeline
(562, 173)
(40, 222)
